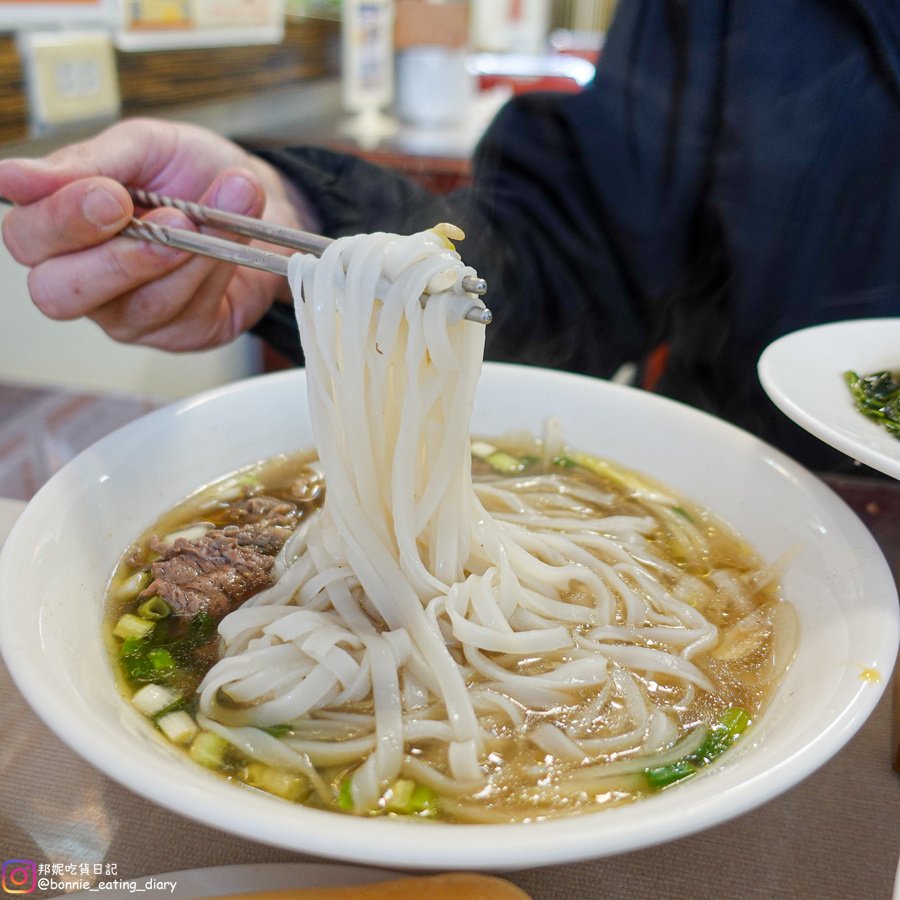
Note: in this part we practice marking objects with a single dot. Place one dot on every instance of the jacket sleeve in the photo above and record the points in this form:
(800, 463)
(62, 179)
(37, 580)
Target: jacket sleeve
(582, 206)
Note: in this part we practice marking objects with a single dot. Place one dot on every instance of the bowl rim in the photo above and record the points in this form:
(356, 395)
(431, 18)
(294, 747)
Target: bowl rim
(208, 799)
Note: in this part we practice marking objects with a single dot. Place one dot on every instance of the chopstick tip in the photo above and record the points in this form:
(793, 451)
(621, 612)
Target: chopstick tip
(472, 284)
(481, 315)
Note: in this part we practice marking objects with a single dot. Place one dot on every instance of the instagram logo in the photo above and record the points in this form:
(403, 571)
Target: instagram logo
(19, 876)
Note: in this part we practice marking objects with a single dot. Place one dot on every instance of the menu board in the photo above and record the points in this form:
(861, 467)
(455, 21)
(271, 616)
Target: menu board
(16, 15)
(161, 24)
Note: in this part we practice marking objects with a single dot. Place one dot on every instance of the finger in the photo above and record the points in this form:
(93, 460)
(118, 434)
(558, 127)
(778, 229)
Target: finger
(27, 180)
(79, 215)
(179, 159)
(148, 318)
(130, 152)
(81, 284)
(137, 152)
(190, 299)
(133, 152)
(234, 190)
(212, 317)
(238, 190)
(76, 284)
(200, 282)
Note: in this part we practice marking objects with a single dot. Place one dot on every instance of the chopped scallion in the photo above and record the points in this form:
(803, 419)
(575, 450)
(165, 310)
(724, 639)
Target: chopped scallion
(482, 449)
(153, 699)
(161, 659)
(345, 794)
(288, 785)
(133, 585)
(209, 749)
(154, 608)
(191, 533)
(178, 726)
(732, 723)
(507, 464)
(180, 703)
(661, 776)
(408, 798)
(132, 626)
(235, 488)
(279, 731)
(602, 468)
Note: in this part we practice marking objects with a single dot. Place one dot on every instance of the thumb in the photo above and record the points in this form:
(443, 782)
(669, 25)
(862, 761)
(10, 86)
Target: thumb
(236, 190)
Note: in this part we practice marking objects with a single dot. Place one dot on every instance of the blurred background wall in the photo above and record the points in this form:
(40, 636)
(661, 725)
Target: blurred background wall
(268, 90)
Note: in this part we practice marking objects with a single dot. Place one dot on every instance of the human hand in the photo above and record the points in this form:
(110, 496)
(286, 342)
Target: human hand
(71, 206)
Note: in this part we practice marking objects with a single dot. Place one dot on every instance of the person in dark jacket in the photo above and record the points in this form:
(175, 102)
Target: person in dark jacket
(731, 175)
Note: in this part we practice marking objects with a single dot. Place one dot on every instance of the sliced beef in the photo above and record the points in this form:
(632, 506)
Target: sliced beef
(263, 523)
(219, 571)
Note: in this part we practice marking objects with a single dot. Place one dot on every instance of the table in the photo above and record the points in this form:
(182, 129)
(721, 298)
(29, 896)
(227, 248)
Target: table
(836, 835)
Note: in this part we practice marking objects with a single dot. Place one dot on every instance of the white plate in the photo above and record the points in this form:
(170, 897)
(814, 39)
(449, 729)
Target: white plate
(803, 374)
(219, 881)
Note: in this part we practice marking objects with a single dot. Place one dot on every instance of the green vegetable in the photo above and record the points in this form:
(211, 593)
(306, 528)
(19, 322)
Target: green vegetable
(877, 396)
(132, 626)
(177, 726)
(482, 449)
(408, 798)
(507, 464)
(603, 469)
(345, 794)
(661, 776)
(151, 656)
(131, 646)
(279, 731)
(565, 461)
(161, 659)
(287, 785)
(133, 585)
(134, 660)
(201, 628)
(154, 608)
(731, 725)
(681, 511)
(155, 700)
(209, 749)
(503, 462)
(174, 706)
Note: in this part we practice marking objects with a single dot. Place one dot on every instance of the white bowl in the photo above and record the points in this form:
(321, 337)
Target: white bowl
(57, 561)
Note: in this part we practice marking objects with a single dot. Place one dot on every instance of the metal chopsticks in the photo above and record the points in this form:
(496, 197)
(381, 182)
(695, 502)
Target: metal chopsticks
(240, 254)
(245, 225)
(227, 251)
(207, 245)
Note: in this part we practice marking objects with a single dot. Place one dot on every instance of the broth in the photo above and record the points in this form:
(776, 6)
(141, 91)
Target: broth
(531, 767)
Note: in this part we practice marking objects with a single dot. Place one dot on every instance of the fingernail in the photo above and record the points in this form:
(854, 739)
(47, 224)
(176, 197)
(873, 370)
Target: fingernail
(236, 194)
(100, 208)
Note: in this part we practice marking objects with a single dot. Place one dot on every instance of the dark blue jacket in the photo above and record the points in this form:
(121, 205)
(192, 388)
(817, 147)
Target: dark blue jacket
(732, 174)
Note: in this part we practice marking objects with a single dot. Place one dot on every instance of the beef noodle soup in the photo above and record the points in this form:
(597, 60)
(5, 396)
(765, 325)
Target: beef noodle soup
(409, 622)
